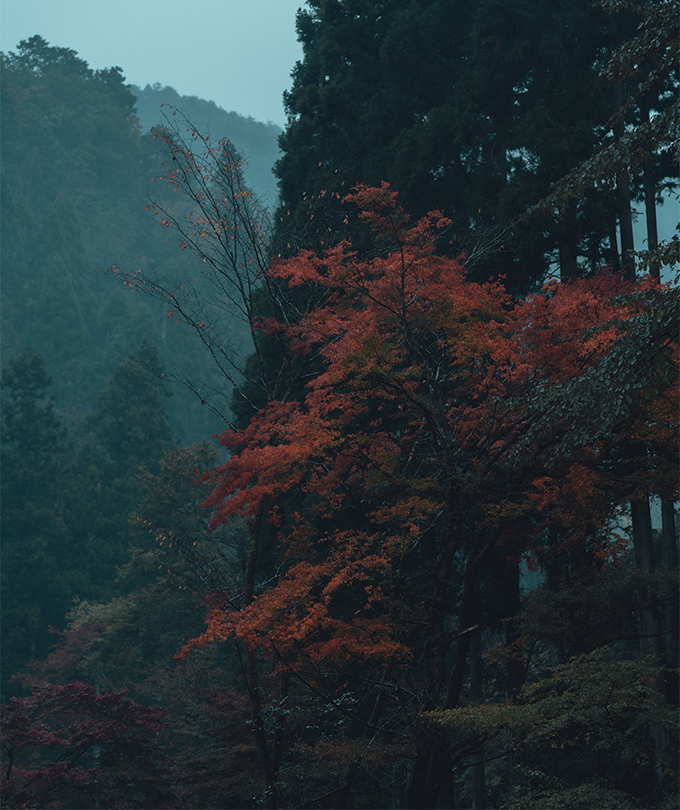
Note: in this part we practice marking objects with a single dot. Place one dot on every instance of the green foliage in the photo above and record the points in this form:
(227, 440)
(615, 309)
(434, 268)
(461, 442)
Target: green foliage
(130, 421)
(596, 793)
(76, 173)
(66, 500)
(37, 562)
(586, 724)
(81, 115)
(174, 564)
(32, 434)
(474, 109)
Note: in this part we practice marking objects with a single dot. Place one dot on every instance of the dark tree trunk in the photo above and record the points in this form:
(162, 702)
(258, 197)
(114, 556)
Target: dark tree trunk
(252, 671)
(643, 545)
(515, 670)
(568, 239)
(353, 768)
(263, 755)
(432, 771)
(670, 563)
(649, 187)
(431, 777)
(624, 200)
(626, 225)
(613, 245)
(651, 643)
(477, 696)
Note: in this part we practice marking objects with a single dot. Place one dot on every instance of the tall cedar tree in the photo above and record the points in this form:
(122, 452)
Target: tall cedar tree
(361, 110)
(507, 101)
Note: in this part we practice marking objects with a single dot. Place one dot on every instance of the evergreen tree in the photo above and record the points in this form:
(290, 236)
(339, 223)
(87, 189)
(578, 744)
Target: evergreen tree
(130, 421)
(473, 109)
(36, 557)
(128, 432)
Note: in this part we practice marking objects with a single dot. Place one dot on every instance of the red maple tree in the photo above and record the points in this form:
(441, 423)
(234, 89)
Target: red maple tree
(421, 428)
(447, 423)
(66, 746)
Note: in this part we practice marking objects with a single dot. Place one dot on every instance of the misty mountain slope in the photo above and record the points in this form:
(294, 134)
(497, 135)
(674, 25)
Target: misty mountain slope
(76, 174)
(257, 142)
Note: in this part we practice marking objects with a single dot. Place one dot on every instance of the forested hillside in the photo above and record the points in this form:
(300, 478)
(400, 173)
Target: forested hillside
(432, 560)
(77, 170)
(88, 366)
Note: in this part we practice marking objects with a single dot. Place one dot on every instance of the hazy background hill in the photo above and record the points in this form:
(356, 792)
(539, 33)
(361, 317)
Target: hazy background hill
(77, 162)
(257, 142)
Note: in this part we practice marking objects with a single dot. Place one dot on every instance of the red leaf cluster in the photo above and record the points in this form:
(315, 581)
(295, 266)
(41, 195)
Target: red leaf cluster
(444, 409)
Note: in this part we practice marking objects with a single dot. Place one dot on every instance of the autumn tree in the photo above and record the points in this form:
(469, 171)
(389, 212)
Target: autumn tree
(444, 414)
(404, 434)
(216, 217)
(130, 641)
(67, 746)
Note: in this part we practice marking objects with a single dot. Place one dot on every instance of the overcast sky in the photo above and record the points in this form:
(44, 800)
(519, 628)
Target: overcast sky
(237, 53)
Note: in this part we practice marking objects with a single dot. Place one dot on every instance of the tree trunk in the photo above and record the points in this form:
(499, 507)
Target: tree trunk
(353, 769)
(515, 671)
(649, 187)
(643, 545)
(431, 776)
(263, 756)
(252, 671)
(626, 225)
(624, 201)
(613, 245)
(651, 643)
(254, 530)
(670, 563)
(477, 696)
(568, 252)
(467, 618)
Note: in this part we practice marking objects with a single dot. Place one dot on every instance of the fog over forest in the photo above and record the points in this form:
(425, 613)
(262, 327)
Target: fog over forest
(340, 462)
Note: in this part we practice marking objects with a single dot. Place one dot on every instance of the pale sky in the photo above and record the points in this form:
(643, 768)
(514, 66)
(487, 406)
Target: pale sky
(237, 53)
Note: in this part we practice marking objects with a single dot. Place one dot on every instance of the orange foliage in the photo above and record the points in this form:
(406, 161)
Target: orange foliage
(443, 409)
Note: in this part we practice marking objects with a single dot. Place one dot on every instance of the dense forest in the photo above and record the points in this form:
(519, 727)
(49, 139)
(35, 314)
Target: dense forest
(354, 484)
